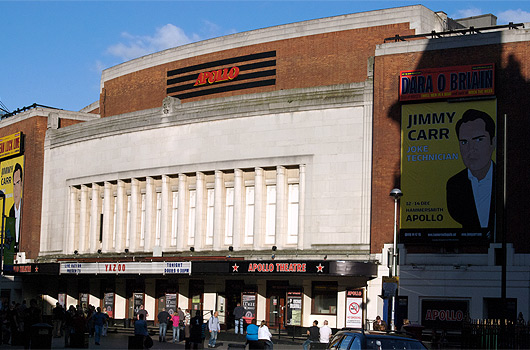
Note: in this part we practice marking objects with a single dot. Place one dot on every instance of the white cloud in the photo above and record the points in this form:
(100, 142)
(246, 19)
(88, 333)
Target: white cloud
(465, 13)
(139, 45)
(515, 16)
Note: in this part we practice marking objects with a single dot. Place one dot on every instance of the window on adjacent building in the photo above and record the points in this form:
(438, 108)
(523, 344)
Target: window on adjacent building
(324, 298)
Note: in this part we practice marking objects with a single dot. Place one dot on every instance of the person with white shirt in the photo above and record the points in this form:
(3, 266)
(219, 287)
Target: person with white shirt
(325, 333)
(264, 335)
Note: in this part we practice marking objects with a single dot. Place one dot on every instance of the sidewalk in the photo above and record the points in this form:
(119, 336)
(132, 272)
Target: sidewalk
(120, 341)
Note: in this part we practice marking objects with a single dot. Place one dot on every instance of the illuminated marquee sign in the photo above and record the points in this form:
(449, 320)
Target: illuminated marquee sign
(217, 76)
(157, 267)
(10, 145)
(255, 267)
(447, 82)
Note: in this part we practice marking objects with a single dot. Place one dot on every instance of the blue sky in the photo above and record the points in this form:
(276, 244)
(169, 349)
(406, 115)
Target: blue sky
(53, 52)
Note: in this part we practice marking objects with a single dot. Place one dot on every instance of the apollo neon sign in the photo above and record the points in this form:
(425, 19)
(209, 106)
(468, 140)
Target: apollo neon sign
(217, 76)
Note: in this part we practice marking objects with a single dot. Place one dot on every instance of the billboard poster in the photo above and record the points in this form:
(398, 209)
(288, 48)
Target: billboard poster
(108, 303)
(447, 82)
(294, 308)
(11, 183)
(354, 308)
(448, 172)
(249, 304)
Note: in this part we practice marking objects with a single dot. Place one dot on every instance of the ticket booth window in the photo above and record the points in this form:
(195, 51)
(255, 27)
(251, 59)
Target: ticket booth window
(324, 298)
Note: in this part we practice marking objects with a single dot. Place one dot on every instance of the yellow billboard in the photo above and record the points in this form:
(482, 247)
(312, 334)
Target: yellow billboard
(448, 171)
(11, 184)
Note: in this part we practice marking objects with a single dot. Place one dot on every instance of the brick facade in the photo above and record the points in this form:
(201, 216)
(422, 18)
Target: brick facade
(316, 60)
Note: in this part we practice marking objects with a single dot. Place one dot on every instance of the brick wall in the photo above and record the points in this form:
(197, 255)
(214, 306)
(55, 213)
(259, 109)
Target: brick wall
(34, 131)
(316, 60)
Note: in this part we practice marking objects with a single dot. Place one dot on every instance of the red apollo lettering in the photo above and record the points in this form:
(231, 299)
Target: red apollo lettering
(217, 76)
(444, 315)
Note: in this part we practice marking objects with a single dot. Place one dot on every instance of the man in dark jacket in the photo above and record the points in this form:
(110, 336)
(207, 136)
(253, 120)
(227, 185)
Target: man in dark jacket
(163, 320)
(239, 312)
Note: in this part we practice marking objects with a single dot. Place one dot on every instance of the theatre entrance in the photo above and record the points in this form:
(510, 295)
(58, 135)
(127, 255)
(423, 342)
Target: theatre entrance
(276, 292)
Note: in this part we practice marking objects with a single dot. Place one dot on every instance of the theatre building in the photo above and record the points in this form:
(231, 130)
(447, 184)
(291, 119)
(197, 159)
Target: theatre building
(256, 168)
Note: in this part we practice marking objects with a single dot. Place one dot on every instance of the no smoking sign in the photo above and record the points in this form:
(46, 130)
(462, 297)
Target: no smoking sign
(354, 308)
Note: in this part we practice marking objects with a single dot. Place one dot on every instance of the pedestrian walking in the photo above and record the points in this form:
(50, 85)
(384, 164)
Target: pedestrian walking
(214, 328)
(99, 320)
(239, 312)
(175, 321)
(163, 320)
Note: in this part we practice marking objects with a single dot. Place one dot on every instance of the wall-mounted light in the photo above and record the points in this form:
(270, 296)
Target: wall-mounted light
(192, 249)
(273, 256)
(231, 248)
(126, 250)
(274, 248)
(99, 251)
(76, 252)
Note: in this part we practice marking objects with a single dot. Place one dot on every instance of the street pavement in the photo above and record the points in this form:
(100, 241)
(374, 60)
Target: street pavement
(120, 340)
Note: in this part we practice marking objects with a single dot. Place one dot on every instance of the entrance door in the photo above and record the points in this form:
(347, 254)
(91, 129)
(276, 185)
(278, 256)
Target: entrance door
(275, 311)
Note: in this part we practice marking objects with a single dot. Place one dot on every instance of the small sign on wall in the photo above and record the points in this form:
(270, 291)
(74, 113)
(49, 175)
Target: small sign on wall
(354, 308)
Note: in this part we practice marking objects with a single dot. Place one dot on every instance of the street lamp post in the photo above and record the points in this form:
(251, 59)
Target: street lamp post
(396, 193)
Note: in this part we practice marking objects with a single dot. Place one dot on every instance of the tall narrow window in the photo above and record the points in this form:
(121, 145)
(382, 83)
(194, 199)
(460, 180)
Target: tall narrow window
(174, 218)
(229, 215)
(249, 215)
(270, 228)
(129, 222)
(292, 214)
(158, 218)
(115, 223)
(191, 218)
(209, 216)
(142, 222)
(101, 214)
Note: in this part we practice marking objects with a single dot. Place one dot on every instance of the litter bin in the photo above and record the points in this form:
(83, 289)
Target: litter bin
(41, 336)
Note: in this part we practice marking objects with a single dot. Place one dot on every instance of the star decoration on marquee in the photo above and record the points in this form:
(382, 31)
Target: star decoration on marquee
(36, 269)
(320, 268)
(235, 268)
